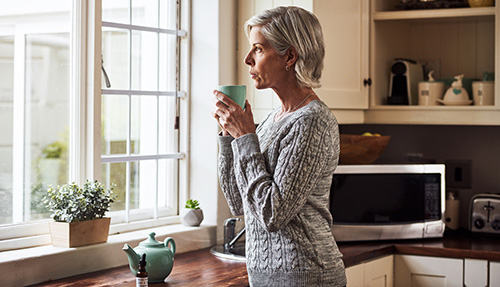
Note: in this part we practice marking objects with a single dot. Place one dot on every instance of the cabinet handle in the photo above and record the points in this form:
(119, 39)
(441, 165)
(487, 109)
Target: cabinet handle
(367, 82)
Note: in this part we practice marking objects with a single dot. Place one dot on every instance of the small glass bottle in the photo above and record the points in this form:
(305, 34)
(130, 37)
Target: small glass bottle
(141, 279)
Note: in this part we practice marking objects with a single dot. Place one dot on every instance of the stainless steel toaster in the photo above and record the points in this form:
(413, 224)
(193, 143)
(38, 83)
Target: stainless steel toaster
(485, 213)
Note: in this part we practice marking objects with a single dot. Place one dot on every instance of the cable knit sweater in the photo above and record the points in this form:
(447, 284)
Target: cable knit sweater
(280, 179)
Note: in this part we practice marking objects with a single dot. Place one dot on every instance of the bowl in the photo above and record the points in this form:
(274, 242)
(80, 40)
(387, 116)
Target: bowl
(481, 3)
(360, 149)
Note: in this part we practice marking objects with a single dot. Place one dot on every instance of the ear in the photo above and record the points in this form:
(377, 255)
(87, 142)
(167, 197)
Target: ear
(291, 56)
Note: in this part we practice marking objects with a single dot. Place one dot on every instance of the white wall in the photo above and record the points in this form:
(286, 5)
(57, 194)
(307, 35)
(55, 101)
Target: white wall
(213, 55)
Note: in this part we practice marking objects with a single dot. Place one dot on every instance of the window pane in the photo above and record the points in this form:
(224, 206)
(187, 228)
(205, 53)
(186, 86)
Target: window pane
(116, 11)
(145, 13)
(143, 184)
(114, 124)
(115, 54)
(144, 129)
(167, 183)
(167, 132)
(144, 61)
(47, 115)
(168, 14)
(167, 63)
(114, 174)
(6, 121)
(34, 105)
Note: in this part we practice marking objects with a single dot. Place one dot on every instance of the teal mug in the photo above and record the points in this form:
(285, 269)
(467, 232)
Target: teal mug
(237, 93)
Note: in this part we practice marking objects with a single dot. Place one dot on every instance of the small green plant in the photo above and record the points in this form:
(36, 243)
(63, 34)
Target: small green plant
(54, 150)
(73, 203)
(192, 204)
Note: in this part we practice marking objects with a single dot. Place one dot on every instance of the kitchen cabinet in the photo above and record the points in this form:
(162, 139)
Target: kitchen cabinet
(448, 41)
(476, 273)
(374, 273)
(414, 271)
(494, 273)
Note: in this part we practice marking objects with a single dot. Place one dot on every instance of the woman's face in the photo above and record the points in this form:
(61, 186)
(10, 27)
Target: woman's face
(267, 67)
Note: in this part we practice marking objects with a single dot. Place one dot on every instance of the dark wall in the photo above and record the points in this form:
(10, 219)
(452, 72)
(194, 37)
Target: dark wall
(479, 144)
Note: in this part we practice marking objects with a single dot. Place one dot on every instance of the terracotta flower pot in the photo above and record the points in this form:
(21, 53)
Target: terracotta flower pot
(81, 233)
(191, 217)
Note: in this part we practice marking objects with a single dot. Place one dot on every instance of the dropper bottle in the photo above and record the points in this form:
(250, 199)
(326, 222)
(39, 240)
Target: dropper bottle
(141, 279)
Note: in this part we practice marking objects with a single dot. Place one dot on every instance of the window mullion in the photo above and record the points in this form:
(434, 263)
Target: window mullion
(129, 131)
(18, 145)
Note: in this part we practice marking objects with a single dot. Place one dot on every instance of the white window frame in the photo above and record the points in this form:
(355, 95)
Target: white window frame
(85, 125)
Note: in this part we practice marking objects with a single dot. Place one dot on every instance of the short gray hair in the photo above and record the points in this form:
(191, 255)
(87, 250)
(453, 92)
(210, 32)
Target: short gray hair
(285, 27)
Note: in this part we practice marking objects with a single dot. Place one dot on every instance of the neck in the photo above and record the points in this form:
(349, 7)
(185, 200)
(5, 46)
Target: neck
(295, 101)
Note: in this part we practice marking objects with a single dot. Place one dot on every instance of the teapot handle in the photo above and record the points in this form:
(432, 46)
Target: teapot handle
(172, 244)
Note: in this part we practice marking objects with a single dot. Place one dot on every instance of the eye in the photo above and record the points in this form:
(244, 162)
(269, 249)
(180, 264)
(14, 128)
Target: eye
(258, 49)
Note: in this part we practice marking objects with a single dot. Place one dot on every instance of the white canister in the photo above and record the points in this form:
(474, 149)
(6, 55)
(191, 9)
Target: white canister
(429, 92)
(483, 93)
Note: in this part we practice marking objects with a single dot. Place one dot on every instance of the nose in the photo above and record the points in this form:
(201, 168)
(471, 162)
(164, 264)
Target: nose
(248, 59)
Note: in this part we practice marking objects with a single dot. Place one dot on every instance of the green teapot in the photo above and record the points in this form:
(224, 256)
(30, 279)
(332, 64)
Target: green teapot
(159, 257)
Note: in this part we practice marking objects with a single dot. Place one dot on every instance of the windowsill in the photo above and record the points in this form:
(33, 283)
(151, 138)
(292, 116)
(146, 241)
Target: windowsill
(57, 262)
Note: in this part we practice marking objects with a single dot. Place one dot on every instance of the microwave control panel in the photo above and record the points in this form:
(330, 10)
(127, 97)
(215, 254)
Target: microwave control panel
(432, 197)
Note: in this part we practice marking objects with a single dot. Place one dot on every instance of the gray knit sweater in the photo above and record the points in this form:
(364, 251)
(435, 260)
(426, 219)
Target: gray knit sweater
(280, 180)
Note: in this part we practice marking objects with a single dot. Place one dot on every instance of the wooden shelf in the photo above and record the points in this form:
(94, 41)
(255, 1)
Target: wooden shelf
(433, 14)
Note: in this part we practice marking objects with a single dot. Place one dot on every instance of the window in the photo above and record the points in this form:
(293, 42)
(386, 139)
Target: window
(140, 139)
(46, 129)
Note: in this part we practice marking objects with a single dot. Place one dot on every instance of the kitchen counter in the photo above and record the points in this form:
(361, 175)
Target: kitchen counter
(200, 268)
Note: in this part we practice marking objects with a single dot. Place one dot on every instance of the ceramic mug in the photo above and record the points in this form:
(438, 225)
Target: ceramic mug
(237, 93)
(429, 92)
(483, 93)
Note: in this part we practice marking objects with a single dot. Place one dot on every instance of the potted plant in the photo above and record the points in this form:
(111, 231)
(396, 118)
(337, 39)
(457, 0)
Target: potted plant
(78, 213)
(191, 214)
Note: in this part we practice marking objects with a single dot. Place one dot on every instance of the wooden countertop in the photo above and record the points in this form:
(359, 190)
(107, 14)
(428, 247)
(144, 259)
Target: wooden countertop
(196, 268)
(200, 268)
(451, 246)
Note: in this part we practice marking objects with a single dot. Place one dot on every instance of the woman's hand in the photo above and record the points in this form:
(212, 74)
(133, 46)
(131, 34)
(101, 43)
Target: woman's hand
(231, 117)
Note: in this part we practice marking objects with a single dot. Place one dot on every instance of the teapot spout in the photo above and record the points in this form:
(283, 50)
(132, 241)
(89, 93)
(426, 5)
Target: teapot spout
(133, 258)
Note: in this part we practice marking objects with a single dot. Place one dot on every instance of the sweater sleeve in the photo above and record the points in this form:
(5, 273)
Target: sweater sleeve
(276, 196)
(226, 176)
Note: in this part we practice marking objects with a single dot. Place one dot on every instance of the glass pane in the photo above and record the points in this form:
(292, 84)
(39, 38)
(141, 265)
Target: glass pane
(167, 182)
(167, 134)
(115, 51)
(168, 62)
(6, 126)
(34, 105)
(145, 13)
(47, 115)
(144, 125)
(114, 174)
(114, 124)
(143, 184)
(144, 61)
(168, 14)
(116, 11)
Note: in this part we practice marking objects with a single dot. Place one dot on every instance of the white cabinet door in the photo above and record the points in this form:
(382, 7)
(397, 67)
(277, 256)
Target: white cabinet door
(355, 275)
(476, 273)
(345, 29)
(420, 271)
(380, 272)
(375, 273)
(494, 273)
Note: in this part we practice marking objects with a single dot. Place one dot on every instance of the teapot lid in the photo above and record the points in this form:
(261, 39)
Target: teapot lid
(151, 241)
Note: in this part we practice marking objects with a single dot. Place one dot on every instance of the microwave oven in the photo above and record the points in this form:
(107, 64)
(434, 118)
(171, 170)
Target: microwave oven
(385, 202)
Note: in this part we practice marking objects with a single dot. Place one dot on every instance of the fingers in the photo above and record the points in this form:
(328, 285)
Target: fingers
(223, 99)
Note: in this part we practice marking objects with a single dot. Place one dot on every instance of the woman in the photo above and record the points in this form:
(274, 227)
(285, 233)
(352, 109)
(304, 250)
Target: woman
(279, 175)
